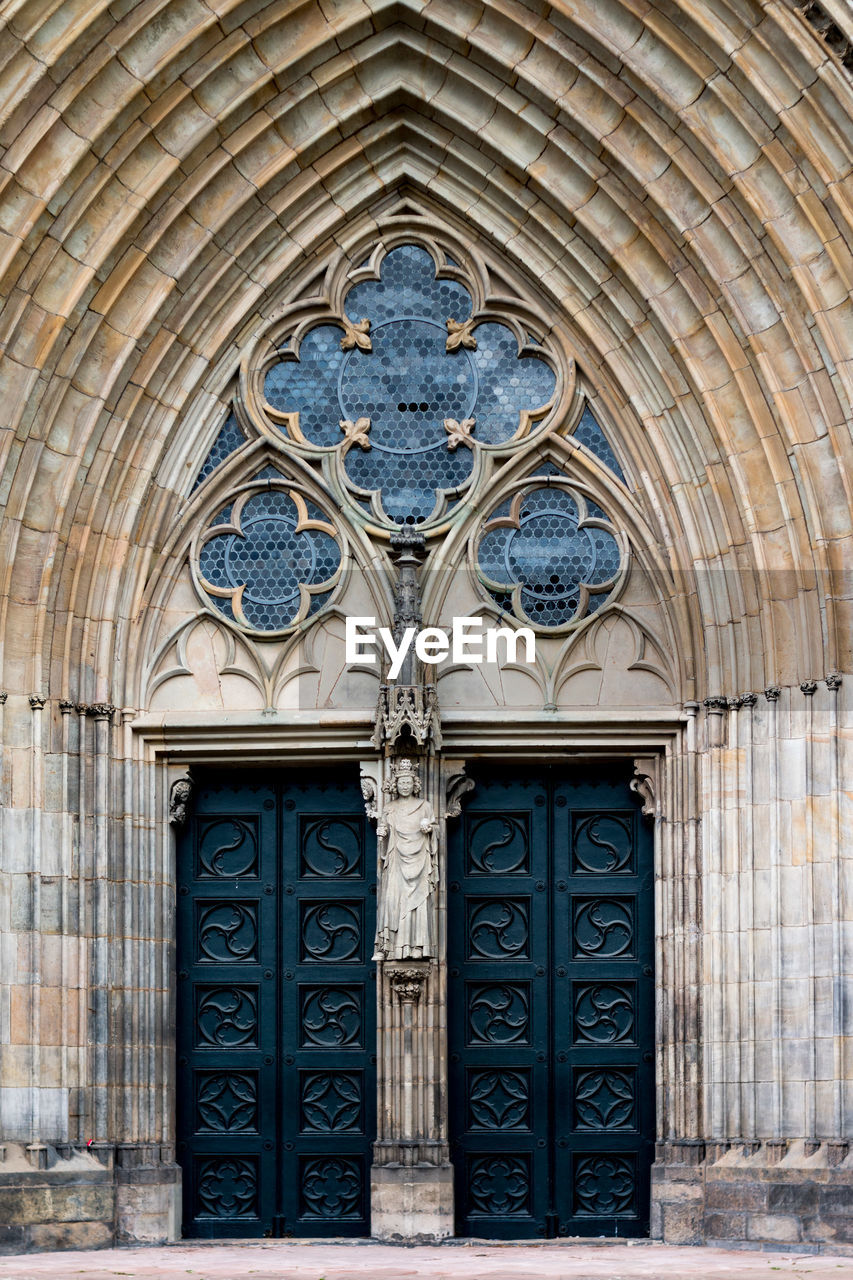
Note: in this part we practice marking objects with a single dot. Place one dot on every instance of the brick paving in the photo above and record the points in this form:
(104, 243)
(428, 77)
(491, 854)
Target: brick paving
(468, 1260)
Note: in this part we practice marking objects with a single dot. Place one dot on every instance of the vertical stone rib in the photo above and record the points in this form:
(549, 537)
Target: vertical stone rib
(84, 1131)
(101, 936)
(714, 1049)
(733, 878)
(36, 796)
(772, 696)
(129, 1128)
(839, 1100)
(695, 1116)
(749, 1073)
(811, 1122)
(669, 948)
(69, 977)
(157, 855)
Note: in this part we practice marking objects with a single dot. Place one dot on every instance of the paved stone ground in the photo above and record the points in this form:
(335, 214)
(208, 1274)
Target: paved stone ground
(469, 1260)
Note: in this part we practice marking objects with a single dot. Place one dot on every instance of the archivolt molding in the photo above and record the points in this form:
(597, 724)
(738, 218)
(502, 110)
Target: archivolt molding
(674, 182)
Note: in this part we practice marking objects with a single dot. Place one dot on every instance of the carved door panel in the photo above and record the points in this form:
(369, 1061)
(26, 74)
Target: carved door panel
(276, 1008)
(551, 1005)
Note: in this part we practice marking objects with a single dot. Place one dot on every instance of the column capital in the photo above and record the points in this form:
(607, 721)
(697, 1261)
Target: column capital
(407, 984)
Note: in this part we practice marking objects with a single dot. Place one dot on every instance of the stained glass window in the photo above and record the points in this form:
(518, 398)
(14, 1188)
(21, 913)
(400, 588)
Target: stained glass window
(271, 552)
(589, 433)
(535, 555)
(228, 440)
(408, 384)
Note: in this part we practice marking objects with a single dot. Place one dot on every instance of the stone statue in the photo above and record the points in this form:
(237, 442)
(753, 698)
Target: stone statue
(408, 869)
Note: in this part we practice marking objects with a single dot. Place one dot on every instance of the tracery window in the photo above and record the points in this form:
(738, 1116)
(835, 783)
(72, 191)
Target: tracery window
(549, 555)
(405, 389)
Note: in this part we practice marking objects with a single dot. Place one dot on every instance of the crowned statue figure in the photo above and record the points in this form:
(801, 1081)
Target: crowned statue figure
(408, 869)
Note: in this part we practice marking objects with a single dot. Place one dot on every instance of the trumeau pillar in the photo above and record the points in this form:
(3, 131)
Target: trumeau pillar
(410, 792)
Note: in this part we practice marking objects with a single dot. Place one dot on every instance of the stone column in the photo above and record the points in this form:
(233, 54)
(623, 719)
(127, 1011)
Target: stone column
(411, 1185)
(412, 1177)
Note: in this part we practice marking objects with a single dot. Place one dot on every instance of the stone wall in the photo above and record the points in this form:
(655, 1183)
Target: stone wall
(778, 1195)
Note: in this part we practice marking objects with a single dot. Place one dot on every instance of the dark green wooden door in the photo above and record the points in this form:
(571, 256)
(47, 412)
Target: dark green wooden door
(276, 1006)
(551, 1005)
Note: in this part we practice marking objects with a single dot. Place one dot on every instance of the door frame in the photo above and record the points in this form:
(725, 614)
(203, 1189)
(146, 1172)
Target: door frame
(661, 744)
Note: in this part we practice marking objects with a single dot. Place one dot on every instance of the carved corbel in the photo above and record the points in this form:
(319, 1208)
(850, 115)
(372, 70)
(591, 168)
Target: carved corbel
(407, 984)
(458, 785)
(370, 788)
(646, 784)
(179, 799)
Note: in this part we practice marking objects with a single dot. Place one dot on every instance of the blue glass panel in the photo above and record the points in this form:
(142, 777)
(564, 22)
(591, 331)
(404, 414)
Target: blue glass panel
(549, 556)
(308, 386)
(507, 384)
(229, 439)
(589, 433)
(270, 560)
(410, 481)
(408, 287)
(407, 385)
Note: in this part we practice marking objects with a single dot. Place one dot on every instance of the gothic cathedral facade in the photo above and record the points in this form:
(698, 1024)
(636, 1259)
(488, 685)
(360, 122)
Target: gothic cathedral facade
(426, 790)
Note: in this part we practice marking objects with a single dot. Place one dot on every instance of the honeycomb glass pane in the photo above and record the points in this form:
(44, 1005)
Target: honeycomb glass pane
(408, 287)
(270, 559)
(589, 433)
(508, 384)
(308, 386)
(229, 439)
(548, 555)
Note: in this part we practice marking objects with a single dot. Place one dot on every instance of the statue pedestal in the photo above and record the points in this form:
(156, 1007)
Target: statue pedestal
(411, 1202)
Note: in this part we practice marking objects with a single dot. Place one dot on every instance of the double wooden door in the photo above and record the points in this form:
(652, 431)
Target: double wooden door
(276, 1006)
(551, 1005)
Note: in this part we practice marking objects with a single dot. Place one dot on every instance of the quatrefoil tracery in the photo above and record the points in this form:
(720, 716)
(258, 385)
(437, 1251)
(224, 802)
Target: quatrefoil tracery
(270, 560)
(408, 370)
(549, 555)
(403, 387)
